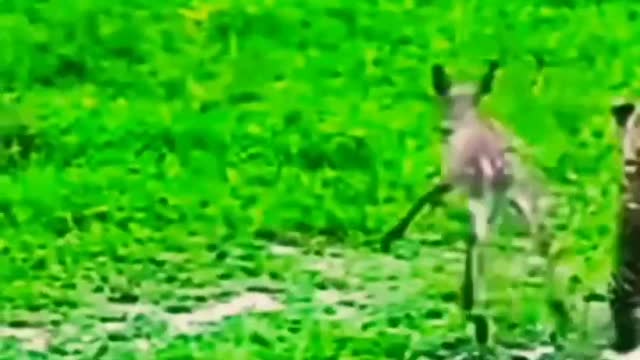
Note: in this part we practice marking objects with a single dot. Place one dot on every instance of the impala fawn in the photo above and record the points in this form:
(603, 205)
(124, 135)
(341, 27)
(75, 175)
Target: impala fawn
(480, 161)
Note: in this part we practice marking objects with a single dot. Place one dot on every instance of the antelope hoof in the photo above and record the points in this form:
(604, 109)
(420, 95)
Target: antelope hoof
(481, 328)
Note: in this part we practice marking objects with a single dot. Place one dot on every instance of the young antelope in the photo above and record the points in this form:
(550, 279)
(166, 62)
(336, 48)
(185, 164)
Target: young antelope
(480, 161)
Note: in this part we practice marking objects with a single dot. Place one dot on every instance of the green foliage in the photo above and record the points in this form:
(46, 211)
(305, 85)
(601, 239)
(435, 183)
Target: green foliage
(144, 146)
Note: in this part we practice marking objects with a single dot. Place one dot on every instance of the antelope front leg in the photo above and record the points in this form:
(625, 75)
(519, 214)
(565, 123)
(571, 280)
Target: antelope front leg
(474, 287)
(484, 217)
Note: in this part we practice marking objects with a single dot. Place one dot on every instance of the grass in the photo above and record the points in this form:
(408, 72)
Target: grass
(207, 180)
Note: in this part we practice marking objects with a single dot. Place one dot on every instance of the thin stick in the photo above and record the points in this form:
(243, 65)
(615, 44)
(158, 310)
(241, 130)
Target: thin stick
(433, 196)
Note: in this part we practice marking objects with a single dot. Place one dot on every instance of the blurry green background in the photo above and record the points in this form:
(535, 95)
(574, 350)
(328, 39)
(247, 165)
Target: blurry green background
(151, 148)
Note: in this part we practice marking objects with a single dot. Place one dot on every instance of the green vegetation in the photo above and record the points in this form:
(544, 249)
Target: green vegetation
(158, 158)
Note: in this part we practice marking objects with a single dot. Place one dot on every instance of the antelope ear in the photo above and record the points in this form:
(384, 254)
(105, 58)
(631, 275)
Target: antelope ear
(486, 82)
(622, 112)
(440, 80)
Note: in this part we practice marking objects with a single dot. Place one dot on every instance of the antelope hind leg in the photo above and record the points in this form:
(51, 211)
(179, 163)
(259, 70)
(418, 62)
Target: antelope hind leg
(556, 307)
